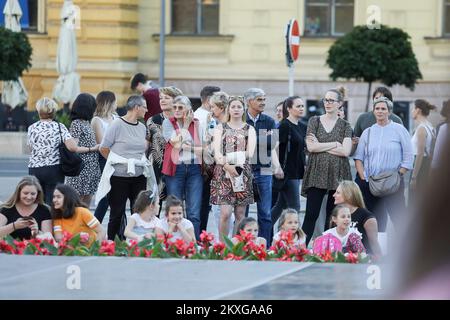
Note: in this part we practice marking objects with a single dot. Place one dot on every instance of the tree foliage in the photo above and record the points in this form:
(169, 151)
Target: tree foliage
(15, 54)
(383, 54)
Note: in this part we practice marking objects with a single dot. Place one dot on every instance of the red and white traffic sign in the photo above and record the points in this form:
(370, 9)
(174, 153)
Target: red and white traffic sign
(294, 39)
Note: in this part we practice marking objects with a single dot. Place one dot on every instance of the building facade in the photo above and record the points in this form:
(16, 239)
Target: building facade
(236, 44)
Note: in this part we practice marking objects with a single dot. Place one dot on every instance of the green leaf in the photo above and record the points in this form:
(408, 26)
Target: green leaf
(51, 248)
(10, 241)
(15, 54)
(93, 250)
(30, 249)
(340, 258)
(75, 241)
(229, 244)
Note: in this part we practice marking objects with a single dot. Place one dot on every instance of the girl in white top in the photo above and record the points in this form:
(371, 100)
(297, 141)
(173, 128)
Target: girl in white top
(104, 114)
(250, 225)
(422, 141)
(349, 236)
(174, 223)
(289, 221)
(143, 222)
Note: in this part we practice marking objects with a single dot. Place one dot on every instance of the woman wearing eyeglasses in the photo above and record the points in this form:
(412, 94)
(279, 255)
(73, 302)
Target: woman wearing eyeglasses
(328, 140)
(182, 159)
(292, 156)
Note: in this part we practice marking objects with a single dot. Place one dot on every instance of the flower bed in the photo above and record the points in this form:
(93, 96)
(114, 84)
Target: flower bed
(164, 247)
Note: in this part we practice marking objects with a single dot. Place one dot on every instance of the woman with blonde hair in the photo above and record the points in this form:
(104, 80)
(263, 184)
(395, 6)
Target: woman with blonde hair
(43, 140)
(24, 215)
(104, 115)
(349, 195)
(182, 159)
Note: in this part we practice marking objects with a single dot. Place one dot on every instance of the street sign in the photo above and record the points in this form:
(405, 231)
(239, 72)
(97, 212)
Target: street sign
(292, 49)
(294, 39)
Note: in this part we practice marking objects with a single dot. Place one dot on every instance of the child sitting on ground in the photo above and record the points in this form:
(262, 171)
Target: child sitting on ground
(174, 223)
(142, 223)
(289, 221)
(70, 214)
(250, 225)
(349, 236)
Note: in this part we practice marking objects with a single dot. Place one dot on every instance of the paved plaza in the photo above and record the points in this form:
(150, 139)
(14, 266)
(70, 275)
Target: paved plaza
(39, 277)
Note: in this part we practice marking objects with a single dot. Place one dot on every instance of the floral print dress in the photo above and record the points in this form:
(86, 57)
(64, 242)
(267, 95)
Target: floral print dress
(86, 183)
(222, 193)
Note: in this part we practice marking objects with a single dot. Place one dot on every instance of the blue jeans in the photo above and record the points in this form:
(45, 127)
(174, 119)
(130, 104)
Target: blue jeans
(187, 184)
(288, 197)
(264, 183)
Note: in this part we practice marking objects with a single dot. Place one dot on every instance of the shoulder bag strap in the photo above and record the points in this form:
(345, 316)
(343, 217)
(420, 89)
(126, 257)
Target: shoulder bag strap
(59, 127)
(367, 151)
(288, 148)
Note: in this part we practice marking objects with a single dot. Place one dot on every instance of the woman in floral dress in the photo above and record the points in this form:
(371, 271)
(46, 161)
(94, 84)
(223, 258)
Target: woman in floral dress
(234, 143)
(87, 181)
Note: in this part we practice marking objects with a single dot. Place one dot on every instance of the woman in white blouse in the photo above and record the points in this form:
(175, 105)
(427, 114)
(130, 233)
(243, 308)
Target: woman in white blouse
(43, 140)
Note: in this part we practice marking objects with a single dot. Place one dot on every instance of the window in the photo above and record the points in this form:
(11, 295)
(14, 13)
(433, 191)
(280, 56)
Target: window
(195, 16)
(328, 17)
(446, 31)
(32, 14)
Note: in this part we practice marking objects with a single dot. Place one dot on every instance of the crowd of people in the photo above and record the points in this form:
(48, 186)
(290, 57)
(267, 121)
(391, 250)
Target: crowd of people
(222, 157)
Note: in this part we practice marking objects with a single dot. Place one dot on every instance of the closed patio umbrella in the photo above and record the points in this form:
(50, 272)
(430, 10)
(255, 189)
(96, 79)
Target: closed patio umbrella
(14, 92)
(68, 84)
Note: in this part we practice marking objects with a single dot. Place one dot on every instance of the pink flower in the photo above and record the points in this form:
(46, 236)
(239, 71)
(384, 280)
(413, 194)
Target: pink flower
(206, 237)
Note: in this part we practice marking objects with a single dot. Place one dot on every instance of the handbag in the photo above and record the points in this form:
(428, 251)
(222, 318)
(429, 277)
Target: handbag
(385, 183)
(71, 163)
(278, 184)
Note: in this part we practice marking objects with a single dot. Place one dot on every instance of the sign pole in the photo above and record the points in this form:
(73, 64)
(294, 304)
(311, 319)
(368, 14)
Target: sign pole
(291, 79)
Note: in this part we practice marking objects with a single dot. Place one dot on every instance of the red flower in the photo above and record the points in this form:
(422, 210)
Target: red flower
(219, 247)
(244, 236)
(351, 257)
(5, 247)
(206, 237)
(108, 247)
(232, 257)
(327, 256)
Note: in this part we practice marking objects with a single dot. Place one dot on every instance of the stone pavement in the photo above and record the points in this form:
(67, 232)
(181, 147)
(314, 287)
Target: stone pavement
(47, 277)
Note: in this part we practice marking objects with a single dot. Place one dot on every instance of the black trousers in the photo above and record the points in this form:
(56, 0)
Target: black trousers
(313, 206)
(393, 204)
(49, 177)
(122, 189)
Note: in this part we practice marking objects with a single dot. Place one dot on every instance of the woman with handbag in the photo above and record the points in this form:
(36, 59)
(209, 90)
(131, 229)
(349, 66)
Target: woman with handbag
(234, 143)
(182, 159)
(86, 183)
(328, 140)
(44, 138)
(292, 157)
(383, 156)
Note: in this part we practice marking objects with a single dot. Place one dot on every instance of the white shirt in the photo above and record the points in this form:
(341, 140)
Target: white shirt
(429, 139)
(202, 115)
(164, 225)
(344, 238)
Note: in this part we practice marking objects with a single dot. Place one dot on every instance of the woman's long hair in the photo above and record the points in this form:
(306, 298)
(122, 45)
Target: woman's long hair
(105, 104)
(26, 181)
(352, 193)
(70, 202)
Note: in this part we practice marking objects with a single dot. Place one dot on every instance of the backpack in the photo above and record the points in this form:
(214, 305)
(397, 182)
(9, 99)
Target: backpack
(327, 242)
